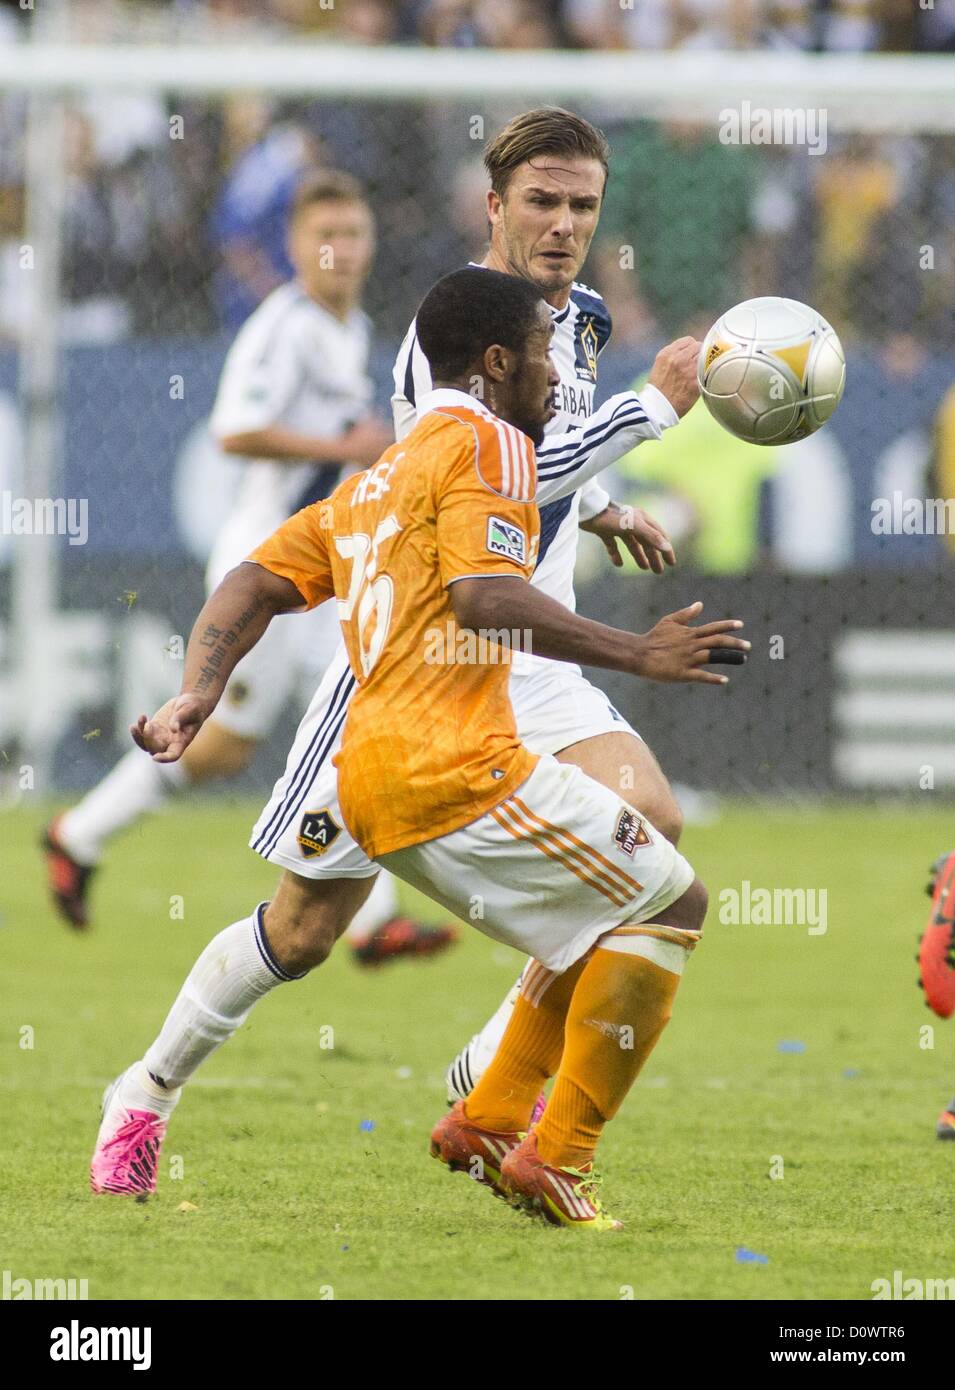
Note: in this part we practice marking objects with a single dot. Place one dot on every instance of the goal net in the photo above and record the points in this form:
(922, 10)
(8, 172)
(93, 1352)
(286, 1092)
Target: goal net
(146, 179)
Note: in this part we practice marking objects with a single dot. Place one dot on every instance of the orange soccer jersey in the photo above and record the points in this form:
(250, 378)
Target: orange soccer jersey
(430, 742)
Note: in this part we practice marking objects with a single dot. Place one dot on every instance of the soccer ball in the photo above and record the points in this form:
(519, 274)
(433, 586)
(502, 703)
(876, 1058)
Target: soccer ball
(771, 370)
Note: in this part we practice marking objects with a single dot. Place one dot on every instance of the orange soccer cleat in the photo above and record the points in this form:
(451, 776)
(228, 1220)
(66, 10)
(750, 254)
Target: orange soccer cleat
(466, 1148)
(402, 937)
(945, 1128)
(562, 1196)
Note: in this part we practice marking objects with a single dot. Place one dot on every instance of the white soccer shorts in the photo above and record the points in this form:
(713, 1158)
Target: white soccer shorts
(302, 827)
(552, 868)
(555, 706)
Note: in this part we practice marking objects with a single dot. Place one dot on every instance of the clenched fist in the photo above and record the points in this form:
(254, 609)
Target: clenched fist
(674, 373)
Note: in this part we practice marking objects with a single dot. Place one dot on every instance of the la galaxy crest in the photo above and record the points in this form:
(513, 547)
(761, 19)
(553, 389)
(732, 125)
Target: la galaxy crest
(317, 832)
(587, 346)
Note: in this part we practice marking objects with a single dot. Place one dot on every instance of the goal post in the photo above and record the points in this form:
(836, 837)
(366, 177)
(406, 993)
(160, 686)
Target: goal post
(878, 92)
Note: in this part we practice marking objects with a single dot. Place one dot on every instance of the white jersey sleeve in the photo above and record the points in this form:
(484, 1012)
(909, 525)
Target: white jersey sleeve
(412, 376)
(566, 461)
(593, 500)
(263, 373)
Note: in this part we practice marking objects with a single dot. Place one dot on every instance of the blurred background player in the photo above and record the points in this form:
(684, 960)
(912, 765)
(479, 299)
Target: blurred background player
(294, 402)
(937, 959)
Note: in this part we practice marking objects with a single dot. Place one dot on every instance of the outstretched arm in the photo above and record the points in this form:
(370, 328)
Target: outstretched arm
(671, 651)
(232, 620)
(566, 461)
(636, 529)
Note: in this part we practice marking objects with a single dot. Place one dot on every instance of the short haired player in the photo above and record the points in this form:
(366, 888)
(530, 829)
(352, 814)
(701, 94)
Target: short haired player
(547, 169)
(434, 781)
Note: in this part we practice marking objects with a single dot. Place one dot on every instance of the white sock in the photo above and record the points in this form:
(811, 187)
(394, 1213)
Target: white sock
(379, 907)
(232, 974)
(135, 786)
(138, 1091)
(472, 1061)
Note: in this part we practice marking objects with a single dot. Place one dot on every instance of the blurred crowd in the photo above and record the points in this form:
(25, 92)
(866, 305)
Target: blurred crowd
(170, 236)
(821, 25)
(179, 228)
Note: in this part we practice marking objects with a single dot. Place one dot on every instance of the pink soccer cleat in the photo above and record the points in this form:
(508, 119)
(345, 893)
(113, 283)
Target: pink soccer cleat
(126, 1156)
(937, 949)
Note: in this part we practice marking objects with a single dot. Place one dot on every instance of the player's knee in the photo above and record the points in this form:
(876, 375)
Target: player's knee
(217, 752)
(668, 819)
(300, 939)
(689, 911)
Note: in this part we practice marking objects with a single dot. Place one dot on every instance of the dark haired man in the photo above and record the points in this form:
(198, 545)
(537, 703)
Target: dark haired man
(441, 534)
(547, 170)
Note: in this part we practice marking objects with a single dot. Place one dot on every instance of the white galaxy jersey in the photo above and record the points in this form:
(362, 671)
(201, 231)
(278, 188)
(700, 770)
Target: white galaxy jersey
(293, 364)
(579, 440)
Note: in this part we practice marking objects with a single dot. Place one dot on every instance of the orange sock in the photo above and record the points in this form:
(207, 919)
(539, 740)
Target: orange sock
(621, 1005)
(529, 1052)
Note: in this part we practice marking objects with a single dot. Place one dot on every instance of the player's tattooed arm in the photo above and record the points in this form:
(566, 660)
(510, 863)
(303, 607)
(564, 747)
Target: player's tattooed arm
(670, 651)
(233, 619)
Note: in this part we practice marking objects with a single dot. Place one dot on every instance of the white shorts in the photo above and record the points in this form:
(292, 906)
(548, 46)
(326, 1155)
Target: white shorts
(287, 661)
(555, 706)
(555, 866)
(302, 827)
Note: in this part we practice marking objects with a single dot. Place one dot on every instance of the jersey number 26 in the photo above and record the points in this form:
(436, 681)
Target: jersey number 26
(370, 595)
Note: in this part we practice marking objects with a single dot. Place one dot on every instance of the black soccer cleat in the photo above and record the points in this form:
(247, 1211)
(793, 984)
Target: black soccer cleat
(945, 1129)
(68, 880)
(402, 937)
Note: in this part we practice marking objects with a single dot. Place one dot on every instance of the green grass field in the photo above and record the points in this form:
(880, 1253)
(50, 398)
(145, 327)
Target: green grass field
(295, 1195)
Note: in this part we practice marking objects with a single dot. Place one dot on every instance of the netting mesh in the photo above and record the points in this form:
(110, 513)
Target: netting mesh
(175, 229)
